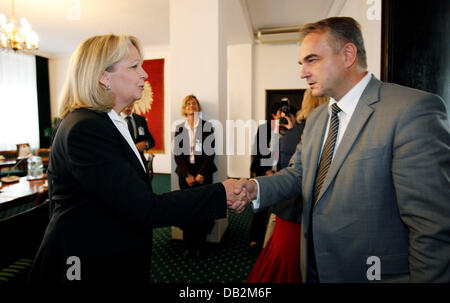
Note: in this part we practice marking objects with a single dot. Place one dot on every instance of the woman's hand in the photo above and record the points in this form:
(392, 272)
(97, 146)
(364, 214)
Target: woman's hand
(199, 179)
(190, 180)
(269, 172)
(290, 120)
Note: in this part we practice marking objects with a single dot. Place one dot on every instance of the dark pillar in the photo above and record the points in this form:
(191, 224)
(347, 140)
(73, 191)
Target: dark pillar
(43, 96)
(416, 45)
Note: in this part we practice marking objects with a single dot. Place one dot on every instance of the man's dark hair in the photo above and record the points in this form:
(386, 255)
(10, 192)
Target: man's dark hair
(342, 30)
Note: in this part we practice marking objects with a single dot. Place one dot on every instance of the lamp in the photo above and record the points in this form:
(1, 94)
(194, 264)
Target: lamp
(23, 38)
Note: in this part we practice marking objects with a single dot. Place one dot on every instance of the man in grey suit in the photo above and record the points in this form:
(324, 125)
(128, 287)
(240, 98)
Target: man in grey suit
(373, 167)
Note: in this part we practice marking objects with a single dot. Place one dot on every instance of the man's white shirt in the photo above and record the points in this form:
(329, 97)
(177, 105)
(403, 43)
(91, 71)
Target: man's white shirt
(192, 132)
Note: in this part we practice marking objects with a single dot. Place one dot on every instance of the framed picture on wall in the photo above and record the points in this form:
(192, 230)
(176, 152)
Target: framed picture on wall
(151, 105)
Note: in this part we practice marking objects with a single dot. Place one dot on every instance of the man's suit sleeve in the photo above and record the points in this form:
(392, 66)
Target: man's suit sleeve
(147, 137)
(421, 177)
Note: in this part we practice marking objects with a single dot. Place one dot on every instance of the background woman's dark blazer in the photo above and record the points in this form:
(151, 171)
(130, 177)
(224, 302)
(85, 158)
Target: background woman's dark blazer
(290, 209)
(103, 209)
(261, 151)
(204, 163)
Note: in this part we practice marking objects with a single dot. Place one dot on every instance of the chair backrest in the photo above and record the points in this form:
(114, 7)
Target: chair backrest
(44, 152)
(8, 154)
(21, 234)
(23, 149)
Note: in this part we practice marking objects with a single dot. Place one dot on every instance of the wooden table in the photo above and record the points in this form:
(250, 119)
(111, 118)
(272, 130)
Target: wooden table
(23, 191)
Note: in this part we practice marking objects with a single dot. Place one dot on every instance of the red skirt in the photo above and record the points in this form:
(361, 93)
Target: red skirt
(279, 261)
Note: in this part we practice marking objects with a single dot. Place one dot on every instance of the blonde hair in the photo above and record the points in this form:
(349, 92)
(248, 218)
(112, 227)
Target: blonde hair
(185, 100)
(91, 58)
(308, 104)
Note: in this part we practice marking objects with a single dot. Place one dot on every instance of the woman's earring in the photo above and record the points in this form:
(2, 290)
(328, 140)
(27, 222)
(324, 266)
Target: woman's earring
(108, 87)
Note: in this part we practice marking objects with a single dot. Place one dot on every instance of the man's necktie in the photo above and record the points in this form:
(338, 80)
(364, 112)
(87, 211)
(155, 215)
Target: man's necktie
(327, 152)
(130, 127)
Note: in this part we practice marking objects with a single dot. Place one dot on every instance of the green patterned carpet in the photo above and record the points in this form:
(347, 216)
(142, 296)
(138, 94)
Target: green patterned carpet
(227, 262)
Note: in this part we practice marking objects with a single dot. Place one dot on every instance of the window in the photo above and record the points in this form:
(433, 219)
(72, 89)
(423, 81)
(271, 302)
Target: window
(18, 101)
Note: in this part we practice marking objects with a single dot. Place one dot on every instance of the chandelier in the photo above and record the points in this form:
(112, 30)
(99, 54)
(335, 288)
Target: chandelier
(23, 38)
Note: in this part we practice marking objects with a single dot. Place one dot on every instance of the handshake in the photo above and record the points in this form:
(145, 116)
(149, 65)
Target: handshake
(240, 193)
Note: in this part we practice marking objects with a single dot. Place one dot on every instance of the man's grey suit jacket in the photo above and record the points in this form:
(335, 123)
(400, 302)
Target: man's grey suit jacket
(386, 194)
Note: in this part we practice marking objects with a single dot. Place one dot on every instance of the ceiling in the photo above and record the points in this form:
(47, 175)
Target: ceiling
(279, 13)
(62, 25)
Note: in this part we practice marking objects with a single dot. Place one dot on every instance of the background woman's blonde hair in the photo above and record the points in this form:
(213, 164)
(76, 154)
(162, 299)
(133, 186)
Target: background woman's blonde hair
(91, 58)
(308, 104)
(185, 100)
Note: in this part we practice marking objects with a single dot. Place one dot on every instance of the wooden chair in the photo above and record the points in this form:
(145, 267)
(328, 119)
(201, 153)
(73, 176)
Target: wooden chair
(9, 154)
(23, 149)
(44, 152)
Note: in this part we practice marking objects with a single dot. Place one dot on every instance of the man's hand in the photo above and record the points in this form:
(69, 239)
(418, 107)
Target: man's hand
(236, 203)
(246, 187)
(141, 146)
(199, 179)
(190, 180)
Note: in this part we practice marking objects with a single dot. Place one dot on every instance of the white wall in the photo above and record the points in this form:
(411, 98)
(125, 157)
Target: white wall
(371, 30)
(251, 71)
(57, 70)
(276, 67)
(198, 63)
(240, 97)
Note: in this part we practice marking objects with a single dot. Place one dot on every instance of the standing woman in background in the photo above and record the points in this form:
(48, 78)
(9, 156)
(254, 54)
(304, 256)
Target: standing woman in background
(102, 206)
(279, 261)
(195, 167)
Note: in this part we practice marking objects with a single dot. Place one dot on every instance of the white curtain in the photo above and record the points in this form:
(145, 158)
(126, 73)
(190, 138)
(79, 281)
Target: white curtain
(18, 101)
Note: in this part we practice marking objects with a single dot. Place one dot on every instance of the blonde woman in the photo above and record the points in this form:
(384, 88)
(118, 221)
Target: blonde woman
(103, 208)
(195, 167)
